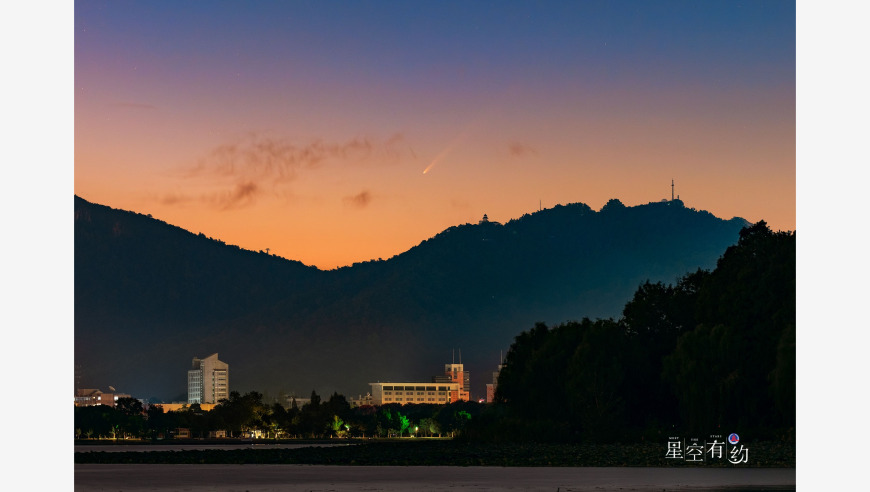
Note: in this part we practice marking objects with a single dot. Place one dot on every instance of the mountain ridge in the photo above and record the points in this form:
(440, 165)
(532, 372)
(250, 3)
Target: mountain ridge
(285, 326)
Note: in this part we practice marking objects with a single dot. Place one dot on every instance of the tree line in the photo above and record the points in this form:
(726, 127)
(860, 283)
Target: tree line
(242, 414)
(712, 354)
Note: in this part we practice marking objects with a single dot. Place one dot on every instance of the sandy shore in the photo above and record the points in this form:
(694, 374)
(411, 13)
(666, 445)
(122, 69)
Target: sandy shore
(259, 478)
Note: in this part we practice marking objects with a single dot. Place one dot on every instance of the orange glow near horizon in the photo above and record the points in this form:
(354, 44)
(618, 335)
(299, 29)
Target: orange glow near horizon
(310, 142)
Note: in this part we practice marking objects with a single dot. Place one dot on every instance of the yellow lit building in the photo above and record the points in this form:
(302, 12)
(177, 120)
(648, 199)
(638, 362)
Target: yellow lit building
(404, 393)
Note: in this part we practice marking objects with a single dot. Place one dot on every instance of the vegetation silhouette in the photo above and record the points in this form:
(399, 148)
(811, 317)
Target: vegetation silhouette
(712, 354)
(246, 415)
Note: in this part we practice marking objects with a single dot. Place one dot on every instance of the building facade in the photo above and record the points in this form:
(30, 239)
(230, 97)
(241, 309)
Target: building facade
(456, 373)
(450, 386)
(93, 397)
(361, 401)
(405, 393)
(491, 387)
(208, 380)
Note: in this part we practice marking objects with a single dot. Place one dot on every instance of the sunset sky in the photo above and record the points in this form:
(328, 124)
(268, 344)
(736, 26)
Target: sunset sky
(338, 132)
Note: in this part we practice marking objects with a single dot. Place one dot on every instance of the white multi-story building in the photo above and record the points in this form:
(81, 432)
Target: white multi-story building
(208, 380)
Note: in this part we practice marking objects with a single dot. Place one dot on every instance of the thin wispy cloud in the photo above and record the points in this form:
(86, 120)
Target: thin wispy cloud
(260, 165)
(175, 199)
(359, 201)
(242, 195)
(518, 149)
(281, 160)
(237, 196)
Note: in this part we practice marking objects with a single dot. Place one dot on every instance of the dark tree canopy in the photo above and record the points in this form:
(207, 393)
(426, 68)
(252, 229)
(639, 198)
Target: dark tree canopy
(714, 352)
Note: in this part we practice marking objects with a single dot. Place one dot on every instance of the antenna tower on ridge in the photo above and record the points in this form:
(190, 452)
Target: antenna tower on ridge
(672, 190)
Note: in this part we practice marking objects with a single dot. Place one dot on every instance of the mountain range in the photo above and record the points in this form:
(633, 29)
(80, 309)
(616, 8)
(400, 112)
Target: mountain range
(150, 296)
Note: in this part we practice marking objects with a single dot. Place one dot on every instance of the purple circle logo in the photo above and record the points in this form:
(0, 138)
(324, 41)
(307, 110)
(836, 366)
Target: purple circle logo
(733, 438)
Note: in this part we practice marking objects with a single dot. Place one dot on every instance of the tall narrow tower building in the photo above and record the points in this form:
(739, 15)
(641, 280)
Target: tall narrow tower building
(456, 373)
(208, 380)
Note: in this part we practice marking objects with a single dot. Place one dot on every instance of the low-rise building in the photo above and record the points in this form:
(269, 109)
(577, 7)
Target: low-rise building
(300, 402)
(450, 386)
(361, 401)
(410, 392)
(92, 397)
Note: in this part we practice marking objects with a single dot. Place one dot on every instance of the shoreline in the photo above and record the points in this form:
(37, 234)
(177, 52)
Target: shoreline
(431, 453)
(268, 478)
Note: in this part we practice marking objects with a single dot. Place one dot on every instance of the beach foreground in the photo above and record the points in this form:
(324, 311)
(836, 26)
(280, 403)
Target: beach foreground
(259, 478)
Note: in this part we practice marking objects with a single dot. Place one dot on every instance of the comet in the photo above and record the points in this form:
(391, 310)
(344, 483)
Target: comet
(441, 155)
(475, 123)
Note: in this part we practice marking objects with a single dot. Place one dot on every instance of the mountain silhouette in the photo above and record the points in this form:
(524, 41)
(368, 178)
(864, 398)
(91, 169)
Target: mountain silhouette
(150, 296)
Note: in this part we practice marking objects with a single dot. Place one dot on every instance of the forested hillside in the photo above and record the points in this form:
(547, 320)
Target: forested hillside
(150, 296)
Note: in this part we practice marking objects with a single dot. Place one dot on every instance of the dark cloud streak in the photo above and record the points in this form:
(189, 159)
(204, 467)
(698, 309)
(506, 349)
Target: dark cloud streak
(242, 196)
(518, 149)
(258, 164)
(358, 201)
(266, 158)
